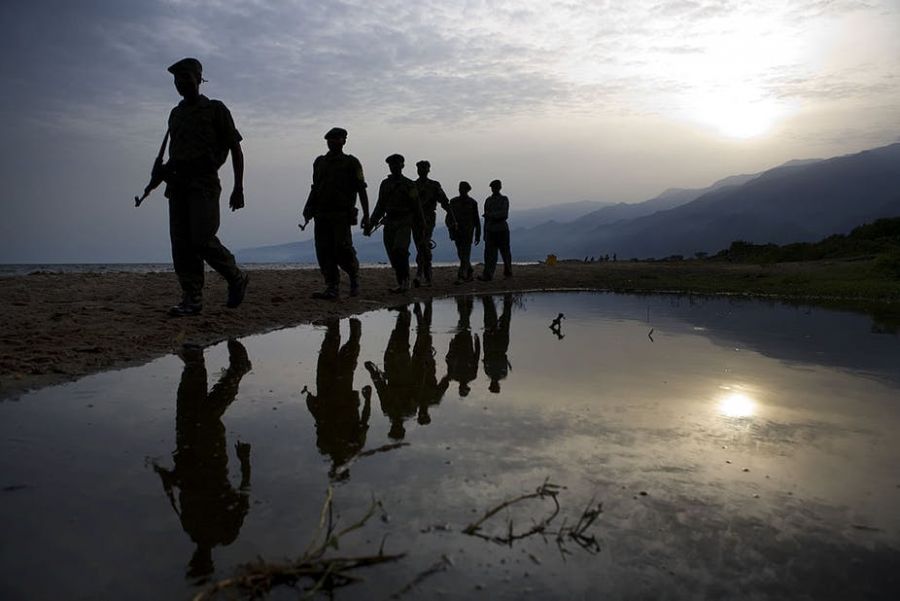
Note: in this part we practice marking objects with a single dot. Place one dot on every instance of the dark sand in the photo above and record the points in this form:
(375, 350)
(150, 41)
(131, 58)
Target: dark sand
(57, 327)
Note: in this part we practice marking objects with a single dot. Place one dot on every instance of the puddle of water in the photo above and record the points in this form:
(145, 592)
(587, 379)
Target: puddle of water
(740, 450)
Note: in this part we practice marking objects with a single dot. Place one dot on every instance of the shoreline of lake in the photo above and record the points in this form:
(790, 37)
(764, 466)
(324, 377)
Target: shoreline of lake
(59, 327)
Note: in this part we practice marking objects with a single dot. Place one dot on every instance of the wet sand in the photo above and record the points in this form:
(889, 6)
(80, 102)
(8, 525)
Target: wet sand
(57, 327)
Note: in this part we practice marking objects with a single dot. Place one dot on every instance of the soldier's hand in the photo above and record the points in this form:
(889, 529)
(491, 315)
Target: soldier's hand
(237, 199)
(364, 224)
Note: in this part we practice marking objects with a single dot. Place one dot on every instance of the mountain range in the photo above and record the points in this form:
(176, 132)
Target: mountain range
(798, 201)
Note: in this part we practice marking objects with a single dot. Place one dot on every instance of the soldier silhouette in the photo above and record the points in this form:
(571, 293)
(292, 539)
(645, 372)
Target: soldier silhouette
(465, 349)
(496, 233)
(428, 390)
(496, 341)
(430, 196)
(210, 509)
(337, 180)
(340, 430)
(398, 204)
(201, 134)
(395, 384)
(464, 224)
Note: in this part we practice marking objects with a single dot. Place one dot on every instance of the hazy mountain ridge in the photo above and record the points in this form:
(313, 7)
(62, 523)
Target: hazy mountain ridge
(799, 201)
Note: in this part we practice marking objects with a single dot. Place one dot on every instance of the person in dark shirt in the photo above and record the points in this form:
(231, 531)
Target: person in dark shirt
(431, 194)
(201, 134)
(496, 233)
(337, 180)
(464, 225)
(398, 204)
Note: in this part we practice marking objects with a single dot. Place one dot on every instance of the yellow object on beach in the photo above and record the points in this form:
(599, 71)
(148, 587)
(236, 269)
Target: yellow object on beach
(551, 260)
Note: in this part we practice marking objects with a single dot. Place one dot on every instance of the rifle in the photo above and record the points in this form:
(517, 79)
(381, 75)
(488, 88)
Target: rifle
(157, 173)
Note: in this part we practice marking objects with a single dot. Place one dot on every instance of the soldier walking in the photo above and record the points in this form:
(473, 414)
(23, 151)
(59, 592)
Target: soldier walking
(430, 196)
(463, 223)
(337, 179)
(398, 204)
(496, 233)
(201, 134)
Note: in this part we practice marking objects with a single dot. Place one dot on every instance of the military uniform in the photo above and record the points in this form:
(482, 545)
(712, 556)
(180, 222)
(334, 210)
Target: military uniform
(430, 196)
(467, 223)
(496, 235)
(201, 133)
(337, 179)
(398, 203)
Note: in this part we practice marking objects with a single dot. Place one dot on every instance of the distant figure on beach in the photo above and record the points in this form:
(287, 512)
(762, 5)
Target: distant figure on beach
(202, 133)
(340, 429)
(431, 194)
(211, 510)
(496, 340)
(428, 391)
(465, 348)
(337, 180)
(398, 204)
(464, 224)
(496, 233)
(395, 384)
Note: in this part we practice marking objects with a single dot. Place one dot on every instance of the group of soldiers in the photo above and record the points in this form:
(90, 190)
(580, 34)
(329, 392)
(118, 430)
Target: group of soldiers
(201, 134)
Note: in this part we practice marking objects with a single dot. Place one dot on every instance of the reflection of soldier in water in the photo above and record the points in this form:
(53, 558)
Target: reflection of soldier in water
(465, 349)
(340, 431)
(428, 391)
(496, 340)
(395, 385)
(210, 508)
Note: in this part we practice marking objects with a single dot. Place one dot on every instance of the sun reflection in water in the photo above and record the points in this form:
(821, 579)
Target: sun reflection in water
(737, 404)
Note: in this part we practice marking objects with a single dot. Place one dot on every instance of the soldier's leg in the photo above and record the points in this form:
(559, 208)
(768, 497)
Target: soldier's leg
(188, 265)
(506, 254)
(325, 252)
(423, 249)
(346, 254)
(490, 255)
(204, 226)
(396, 243)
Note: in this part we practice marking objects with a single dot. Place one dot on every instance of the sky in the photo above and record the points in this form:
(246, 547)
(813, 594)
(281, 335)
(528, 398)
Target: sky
(563, 100)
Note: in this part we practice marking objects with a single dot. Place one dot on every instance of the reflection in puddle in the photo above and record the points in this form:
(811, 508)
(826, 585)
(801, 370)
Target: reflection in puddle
(710, 484)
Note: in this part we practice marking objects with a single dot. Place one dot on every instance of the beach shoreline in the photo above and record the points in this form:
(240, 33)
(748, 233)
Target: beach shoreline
(59, 327)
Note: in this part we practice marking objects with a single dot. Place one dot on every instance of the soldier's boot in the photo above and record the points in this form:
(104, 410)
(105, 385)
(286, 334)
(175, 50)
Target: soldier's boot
(427, 273)
(402, 286)
(330, 293)
(190, 305)
(354, 286)
(484, 278)
(237, 290)
(507, 273)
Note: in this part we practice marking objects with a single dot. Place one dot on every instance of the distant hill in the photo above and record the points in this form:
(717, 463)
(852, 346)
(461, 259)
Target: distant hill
(798, 202)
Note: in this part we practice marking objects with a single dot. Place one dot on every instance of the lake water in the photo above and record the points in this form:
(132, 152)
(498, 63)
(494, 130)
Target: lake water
(740, 450)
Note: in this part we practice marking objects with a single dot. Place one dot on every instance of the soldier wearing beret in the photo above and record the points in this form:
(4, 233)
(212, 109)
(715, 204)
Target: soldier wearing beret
(201, 134)
(496, 233)
(430, 196)
(398, 203)
(337, 180)
(466, 225)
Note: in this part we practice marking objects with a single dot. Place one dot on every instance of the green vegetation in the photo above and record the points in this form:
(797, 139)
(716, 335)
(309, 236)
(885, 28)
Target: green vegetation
(879, 240)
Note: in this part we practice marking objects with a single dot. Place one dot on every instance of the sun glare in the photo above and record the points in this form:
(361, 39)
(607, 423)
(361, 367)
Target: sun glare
(737, 404)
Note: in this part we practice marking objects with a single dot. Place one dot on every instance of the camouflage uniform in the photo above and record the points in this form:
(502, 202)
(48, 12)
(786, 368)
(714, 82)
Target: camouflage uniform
(496, 235)
(201, 134)
(398, 203)
(337, 179)
(464, 210)
(430, 196)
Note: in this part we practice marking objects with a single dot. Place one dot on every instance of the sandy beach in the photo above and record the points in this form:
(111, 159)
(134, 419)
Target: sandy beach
(57, 327)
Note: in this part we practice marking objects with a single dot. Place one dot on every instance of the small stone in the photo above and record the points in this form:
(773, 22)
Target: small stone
(643, 493)
(746, 469)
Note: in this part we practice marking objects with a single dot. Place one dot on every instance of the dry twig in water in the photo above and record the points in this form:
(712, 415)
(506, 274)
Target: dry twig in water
(255, 579)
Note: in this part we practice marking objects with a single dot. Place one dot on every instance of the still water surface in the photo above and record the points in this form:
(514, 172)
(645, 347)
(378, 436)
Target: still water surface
(740, 449)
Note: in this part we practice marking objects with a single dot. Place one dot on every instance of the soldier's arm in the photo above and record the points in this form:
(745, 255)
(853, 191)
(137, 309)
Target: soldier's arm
(237, 164)
(378, 211)
(418, 215)
(442, 198)
(363, 195)
(309, 209)
(477, 221)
